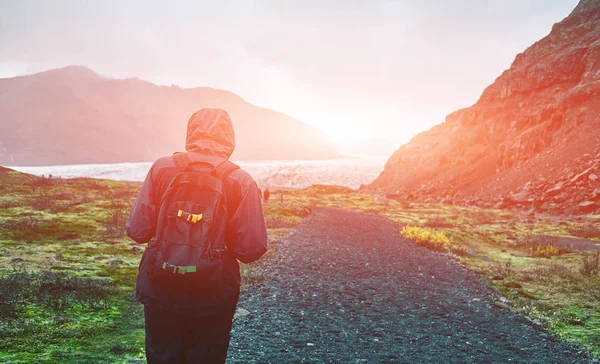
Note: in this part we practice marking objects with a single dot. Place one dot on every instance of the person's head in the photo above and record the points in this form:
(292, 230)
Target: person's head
(210, 131)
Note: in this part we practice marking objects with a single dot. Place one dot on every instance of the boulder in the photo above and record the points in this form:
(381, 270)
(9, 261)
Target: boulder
(137, 250)
(588, 207)
(240, 312)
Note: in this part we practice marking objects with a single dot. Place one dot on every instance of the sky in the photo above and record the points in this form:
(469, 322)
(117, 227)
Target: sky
(371, 69)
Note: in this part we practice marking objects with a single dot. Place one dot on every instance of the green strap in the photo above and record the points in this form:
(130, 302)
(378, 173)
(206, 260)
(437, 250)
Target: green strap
(179, 269)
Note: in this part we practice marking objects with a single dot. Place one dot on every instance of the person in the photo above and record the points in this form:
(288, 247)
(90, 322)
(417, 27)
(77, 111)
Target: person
(267, 194)
(194, 325)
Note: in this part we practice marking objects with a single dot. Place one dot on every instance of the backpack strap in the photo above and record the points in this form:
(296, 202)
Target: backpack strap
(181, 161)
(225, 169)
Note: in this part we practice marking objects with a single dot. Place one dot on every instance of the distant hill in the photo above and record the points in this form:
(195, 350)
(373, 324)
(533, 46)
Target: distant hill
(72, 115)
(532, 139)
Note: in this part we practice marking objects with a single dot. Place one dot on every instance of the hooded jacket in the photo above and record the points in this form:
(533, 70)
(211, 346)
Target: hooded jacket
(210, 138)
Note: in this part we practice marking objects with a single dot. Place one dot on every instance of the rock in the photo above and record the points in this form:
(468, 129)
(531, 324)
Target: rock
(512, 285)
(17, 260)
(525, 134)
(587, 171)
(115, 261)
(137, 250)
(556, 189)
(59, 256)
(240, 312)
(76, 241)
(588, 207)
(501, 305)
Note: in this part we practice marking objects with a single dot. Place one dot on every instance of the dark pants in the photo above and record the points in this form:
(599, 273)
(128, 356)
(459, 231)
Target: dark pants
(172, 338)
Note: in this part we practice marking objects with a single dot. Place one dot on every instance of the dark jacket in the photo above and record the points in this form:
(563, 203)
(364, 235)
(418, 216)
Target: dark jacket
(210, 138)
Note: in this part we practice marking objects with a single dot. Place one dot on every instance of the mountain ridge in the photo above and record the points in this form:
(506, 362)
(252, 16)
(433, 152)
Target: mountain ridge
(536, 126)
(108, 120)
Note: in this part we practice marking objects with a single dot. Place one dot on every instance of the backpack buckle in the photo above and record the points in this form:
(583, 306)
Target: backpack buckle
(176, 269)
(193, 218)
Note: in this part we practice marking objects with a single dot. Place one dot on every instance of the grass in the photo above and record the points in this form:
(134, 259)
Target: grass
(67, 270)
(62, 238)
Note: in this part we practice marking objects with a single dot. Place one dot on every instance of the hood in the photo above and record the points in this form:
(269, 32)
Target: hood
(210, 131)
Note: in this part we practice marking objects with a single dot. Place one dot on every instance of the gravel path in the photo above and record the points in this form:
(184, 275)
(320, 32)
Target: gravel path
(344, 287)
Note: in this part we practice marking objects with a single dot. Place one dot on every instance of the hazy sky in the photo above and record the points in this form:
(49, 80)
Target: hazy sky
(355, 69)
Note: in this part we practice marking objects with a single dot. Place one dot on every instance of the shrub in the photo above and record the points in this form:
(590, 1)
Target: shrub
(15, 286)
(52, 290)
(27, 223)
(428, 238)
(545, 251)
(586, 231)
(539, 246)
(431, 239)
(115, 225)
(274, 222)
(590, 264)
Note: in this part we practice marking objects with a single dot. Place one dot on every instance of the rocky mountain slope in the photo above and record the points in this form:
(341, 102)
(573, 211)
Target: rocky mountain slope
(532, 139)
(72, 115)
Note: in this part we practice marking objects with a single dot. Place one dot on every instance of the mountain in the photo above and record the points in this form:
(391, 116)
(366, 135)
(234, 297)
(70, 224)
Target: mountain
(72, 115)
(532, 140)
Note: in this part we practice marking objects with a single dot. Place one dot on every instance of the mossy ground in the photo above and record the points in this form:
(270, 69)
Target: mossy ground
(76, 227)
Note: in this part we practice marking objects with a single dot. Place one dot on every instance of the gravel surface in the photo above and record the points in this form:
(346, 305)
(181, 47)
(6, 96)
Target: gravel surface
(345, 287)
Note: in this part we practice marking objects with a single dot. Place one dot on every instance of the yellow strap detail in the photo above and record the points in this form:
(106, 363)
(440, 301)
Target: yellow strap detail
(193, 218)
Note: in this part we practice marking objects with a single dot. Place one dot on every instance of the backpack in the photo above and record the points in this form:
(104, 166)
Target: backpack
(190, 236)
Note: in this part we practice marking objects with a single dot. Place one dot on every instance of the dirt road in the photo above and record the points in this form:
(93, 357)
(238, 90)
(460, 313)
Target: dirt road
(345, 287)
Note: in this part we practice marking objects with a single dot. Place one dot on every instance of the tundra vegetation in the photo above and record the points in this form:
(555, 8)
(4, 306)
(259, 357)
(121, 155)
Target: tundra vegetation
(67, 270)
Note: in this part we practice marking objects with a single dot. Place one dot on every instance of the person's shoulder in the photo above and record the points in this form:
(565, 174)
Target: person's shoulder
(242, 176)
(166, 161)
(162, 163)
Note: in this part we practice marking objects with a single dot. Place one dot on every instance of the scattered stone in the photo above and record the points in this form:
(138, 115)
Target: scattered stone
(556, 189)
(115, 261)
(76, 241)
(137, 250)
(59, 256)
(17, 260)
(20, 247)
(501, 305)
(574, 179)
(240, 312)
(587, 207)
